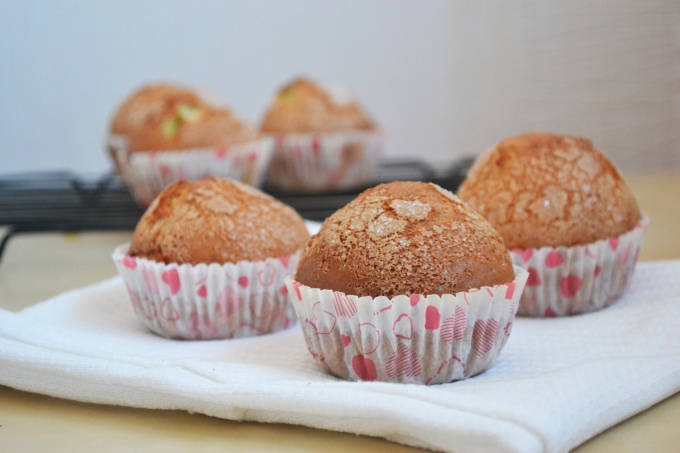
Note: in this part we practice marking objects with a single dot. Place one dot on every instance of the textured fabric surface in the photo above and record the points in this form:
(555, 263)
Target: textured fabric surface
(558, 382)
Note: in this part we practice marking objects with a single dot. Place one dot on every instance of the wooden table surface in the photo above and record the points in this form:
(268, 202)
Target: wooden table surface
(54, 263)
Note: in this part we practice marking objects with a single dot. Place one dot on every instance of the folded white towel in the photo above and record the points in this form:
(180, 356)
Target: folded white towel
(557, 383)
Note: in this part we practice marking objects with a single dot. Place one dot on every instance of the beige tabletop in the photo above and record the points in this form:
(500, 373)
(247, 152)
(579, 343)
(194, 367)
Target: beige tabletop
(54, 263)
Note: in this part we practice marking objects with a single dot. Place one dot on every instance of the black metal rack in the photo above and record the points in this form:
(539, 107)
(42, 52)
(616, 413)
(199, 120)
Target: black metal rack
(63, 201)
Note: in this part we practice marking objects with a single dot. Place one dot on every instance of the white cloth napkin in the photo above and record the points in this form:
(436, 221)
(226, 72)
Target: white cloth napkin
(557, 383)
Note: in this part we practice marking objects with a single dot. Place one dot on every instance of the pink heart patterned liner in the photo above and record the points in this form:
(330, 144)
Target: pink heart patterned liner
(333, 160)
(147, 173)
(419, 339)
(579, 279)
(212, 301)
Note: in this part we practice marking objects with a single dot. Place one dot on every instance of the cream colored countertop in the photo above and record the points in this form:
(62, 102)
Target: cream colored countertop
(38, 266)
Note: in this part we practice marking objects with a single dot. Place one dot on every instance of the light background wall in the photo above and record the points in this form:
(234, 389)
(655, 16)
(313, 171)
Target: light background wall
(444, 78)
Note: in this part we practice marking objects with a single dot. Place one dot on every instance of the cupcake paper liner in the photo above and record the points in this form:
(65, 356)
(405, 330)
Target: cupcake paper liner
(326, 161)
(209, 301)
(147, 173)
(579, 279)
(410, 339)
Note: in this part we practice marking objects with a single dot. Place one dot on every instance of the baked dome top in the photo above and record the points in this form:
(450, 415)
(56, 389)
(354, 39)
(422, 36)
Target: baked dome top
(405, 238)
(216, 221)
(541, 189)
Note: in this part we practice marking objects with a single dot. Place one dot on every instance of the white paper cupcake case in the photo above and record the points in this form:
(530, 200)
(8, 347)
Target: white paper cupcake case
(315, 162)
(209, 301)
(148, 173)
(572, 280)
(410, 339)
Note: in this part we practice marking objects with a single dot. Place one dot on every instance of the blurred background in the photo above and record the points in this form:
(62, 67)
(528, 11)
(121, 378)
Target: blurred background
(445, 79)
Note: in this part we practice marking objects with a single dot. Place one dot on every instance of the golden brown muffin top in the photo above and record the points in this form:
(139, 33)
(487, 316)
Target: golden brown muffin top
(303, 106)
(542, 189)
(166, 117)
(405, 238)
(216, 221)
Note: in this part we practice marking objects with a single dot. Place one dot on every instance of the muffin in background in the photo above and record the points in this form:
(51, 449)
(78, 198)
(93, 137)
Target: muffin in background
(406, 284)
(208, 260)
(324, 140)
(163, 132)
(168, 118)
(565, 213)
(303, 106)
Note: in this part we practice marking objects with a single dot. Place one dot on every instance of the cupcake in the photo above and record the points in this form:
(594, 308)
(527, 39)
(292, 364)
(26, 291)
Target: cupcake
(208, 258)
(324, 140)
(566, 215)
(406, 284)
(162, 133)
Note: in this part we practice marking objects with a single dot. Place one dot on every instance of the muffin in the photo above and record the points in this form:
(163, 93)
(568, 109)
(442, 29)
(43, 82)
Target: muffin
(406, 284)
(208, 258)
(324, 140)
(566, 214)
(163, 132)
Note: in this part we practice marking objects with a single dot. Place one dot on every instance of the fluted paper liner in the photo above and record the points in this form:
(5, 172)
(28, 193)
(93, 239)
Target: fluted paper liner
(147, 173)
(410, 339)
(209, 301)
(325, 161)
(579, 279)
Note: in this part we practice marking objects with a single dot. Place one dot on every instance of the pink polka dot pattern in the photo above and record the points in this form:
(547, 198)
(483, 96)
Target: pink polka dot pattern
(418, 339)
(572, 280)
(212, 301)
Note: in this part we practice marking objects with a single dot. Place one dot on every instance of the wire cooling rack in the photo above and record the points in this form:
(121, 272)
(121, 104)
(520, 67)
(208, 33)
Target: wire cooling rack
(64, 201)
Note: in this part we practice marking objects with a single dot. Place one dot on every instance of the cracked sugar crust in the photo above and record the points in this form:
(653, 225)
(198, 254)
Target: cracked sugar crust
(216, 221)
(542, 189)
(405, 238)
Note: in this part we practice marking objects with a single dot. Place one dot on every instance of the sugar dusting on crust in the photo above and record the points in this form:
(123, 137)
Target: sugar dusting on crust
(544, 189)
(404, 238)
(208, 198)
(220, 206)
(413, 209)
(445, 192)
(216, 220)
(384, 225)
